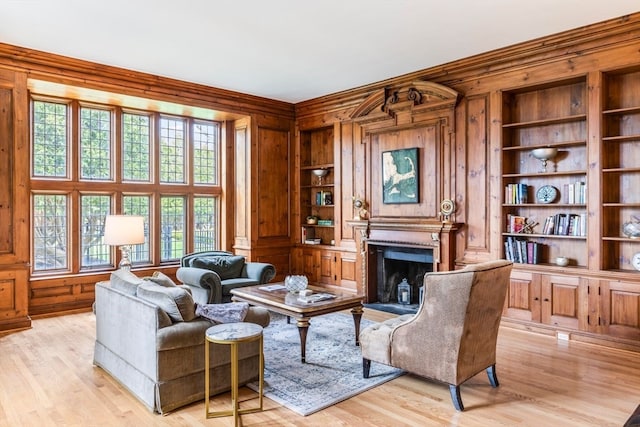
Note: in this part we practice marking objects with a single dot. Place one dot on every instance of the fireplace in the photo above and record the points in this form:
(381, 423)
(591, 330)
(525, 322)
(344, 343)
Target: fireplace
(395, 263)
(392, 249)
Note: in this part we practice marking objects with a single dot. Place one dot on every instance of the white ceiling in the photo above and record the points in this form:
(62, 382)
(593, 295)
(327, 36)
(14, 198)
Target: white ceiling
(289, 50)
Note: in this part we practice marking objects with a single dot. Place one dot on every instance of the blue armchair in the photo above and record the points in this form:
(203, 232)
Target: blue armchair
(212, 275)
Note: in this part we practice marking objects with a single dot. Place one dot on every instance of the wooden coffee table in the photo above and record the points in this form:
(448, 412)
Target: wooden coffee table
(284, 302)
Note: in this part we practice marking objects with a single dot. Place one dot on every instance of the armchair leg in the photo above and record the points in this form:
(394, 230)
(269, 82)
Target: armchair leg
(366, 367)
(455, 397)
(493, 378)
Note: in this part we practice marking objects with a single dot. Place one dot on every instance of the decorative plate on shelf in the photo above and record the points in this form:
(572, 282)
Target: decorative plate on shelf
(546, 194)
(635, 261)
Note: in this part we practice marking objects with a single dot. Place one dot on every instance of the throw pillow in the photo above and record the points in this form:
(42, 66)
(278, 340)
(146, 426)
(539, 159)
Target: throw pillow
(175, 301)
(227, 267)
(125, 281)
(162, 279)
(223, 313)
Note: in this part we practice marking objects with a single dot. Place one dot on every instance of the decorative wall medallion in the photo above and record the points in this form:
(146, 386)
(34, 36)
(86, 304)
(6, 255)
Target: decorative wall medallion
(447, 207)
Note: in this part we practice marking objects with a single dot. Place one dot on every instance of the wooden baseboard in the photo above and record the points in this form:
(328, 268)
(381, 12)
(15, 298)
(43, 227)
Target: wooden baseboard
(16, 324)
(572, 335)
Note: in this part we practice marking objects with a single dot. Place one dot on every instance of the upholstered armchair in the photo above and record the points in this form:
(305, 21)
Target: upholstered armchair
(212, 275)
(453, 335)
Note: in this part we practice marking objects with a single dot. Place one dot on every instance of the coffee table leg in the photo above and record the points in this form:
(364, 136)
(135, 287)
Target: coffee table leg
(303, 326)
(357, 315)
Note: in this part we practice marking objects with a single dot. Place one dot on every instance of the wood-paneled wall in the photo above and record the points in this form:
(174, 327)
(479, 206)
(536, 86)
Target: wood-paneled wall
(255, 218)
(260, 179)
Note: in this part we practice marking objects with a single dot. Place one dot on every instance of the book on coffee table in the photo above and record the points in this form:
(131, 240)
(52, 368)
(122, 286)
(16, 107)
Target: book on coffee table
(270, 288)
(320, 296)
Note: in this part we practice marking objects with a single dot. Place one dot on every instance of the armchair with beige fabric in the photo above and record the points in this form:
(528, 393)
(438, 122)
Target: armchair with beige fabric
(453, 335)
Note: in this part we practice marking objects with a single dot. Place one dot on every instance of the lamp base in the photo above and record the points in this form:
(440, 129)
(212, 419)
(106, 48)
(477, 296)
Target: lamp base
(125, 262)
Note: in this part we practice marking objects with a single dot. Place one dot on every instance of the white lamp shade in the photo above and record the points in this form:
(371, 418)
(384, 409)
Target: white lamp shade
(123, 230)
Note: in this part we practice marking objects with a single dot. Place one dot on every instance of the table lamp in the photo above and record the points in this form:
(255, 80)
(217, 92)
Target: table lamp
(124, 231)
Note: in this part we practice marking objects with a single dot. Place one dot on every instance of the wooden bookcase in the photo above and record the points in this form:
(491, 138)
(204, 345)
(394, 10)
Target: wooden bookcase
(549, 116)
(317, 195)
(620, 159)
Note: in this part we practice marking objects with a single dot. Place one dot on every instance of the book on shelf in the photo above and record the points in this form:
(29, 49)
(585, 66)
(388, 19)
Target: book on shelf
(515, 223)
(564, 224)
(324, 198)
(522, 251)
(515, 194)
(315, 241)
(308, 233)
(574, 193)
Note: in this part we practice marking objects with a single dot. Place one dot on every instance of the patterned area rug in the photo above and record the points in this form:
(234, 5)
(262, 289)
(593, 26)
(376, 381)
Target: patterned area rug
(333, 371)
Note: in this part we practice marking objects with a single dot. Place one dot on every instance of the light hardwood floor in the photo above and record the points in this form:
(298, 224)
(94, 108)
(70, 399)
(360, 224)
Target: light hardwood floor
(47, 379)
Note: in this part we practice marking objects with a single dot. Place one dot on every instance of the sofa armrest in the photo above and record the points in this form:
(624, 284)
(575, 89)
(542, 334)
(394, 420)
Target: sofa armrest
(261, 272)
(202, 282)
(117, 312)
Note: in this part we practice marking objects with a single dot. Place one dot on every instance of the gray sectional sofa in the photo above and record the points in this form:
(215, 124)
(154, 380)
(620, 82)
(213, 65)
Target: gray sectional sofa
(150, 340)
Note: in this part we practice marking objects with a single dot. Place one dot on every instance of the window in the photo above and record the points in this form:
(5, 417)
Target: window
(205, 148)
(140, 206)
(205, 223)
(50, 139)
(95, 144)
(136, 139)
(172, 221)
(50, 232)
(172, 142)
(94, 209)
(121, 166)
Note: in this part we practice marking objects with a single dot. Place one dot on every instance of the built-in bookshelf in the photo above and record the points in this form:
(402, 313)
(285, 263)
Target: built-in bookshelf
(620, 167)
(317, 182)
(544, 206)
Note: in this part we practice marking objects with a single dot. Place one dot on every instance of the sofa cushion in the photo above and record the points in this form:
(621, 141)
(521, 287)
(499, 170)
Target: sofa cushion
(227, 267)
(125, 281)
(162, 279)
(175, 301)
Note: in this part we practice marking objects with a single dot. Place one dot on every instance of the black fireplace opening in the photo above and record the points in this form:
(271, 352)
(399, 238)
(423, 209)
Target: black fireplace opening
(395, 263)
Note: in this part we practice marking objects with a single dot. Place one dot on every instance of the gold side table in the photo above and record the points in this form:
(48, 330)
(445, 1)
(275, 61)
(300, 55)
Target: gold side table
(232, 334)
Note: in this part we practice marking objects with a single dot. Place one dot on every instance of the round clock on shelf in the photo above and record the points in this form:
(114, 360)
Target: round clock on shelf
(546, 194)
(635, 261)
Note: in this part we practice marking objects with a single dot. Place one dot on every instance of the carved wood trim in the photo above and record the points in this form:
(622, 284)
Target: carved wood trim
(418, 96)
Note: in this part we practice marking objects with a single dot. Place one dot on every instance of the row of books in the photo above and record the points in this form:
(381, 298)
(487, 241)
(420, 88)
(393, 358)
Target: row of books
(574, 193)
(563, 224)
(522, 251)
(515, 194)
(324, 198)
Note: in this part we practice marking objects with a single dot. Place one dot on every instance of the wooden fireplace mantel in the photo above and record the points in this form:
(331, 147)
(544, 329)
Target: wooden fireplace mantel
(437, 235)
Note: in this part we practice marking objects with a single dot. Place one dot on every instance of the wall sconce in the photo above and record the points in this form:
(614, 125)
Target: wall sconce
(124, 231)
(544, 155)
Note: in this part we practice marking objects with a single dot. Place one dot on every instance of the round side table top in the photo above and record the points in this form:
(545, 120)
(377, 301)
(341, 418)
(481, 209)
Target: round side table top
(233, 331)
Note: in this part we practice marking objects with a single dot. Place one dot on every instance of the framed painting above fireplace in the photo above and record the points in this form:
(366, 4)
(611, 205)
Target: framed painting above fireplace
(400, 176)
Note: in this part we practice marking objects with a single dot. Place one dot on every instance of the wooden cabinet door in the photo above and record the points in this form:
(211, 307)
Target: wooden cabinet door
(620, 309)
(564, 301)
(346, 271)
(328, 274)
(311, 265)
(523, 297)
